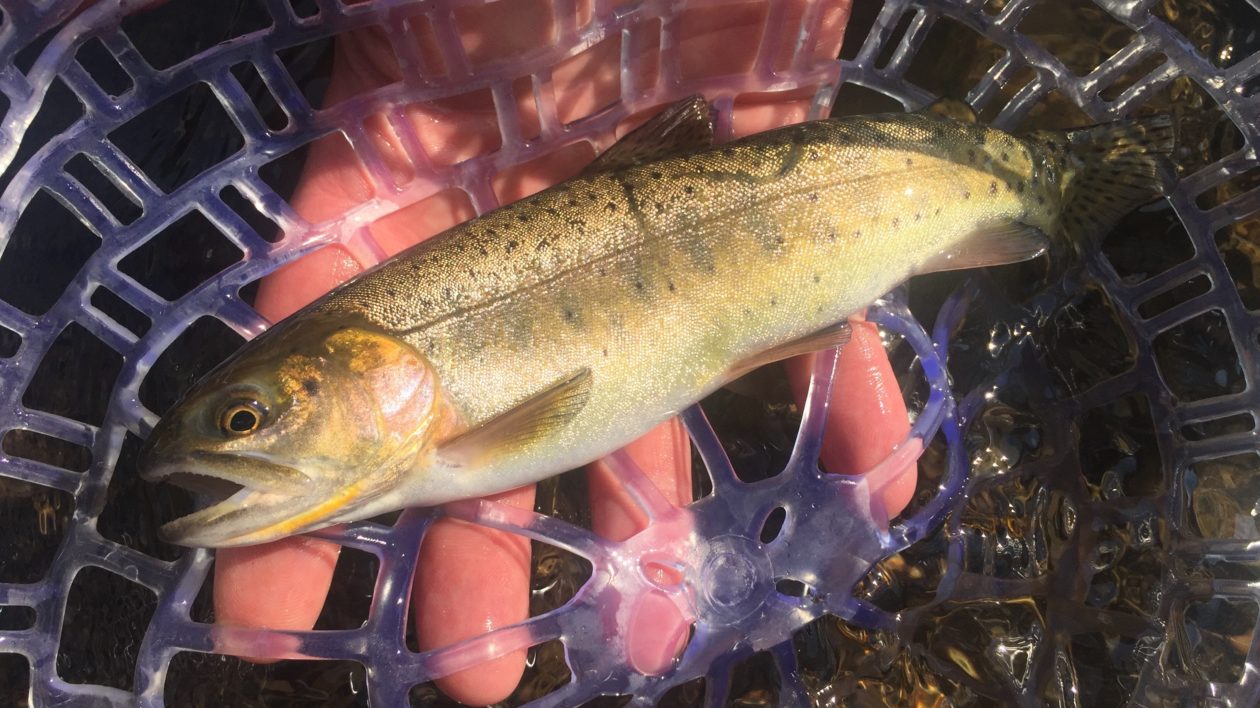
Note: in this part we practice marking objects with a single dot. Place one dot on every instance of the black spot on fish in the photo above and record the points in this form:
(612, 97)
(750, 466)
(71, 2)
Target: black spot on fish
(638, 285)
(605, 352)
(591, 196)
(993, 187)
(611, 206)
(747, 312)
(1005, 157)
(857, 234)
(311, 386)
(813, 196)
(391, 292)
(937, 212)
(831, 236)
(569, 315)
(656, 175)
(814, 155)
(689, 190)
(773, 302)
(602, 271)
(482, 250)
(909, 162)
(918, 215)
(523, 217)
(511, 245)
(415, 267)
(671, 286)
(728, 152)
(971, 155)
(896, 222)
(966, 194)
(448, 293)
(817, 278)
(542, 245)
(472, 272)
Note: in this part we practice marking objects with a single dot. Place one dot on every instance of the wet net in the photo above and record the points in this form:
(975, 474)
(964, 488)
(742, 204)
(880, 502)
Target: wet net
(1085, 534)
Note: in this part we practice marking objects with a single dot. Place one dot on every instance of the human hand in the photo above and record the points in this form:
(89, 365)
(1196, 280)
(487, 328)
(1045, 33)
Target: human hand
(283, 584)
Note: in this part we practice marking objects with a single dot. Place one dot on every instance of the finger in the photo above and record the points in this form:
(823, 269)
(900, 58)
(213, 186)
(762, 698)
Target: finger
(254, 586)
(472, 580)
(867, 417)
(283, 584)
(664, 455)
(656, 630)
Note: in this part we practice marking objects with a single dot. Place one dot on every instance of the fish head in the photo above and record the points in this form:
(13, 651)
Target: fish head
(308, 424)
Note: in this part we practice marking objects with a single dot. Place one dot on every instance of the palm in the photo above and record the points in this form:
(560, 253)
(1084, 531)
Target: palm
(283, 585)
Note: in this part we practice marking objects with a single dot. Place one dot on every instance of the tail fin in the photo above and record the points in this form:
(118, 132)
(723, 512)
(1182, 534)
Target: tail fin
(1117, 169)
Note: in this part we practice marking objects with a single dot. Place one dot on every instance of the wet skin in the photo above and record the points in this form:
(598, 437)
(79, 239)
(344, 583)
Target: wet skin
(284, 584)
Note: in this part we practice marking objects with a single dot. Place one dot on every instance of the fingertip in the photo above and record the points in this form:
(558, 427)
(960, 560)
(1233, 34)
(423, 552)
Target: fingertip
(296, 284)
(277, 585)
(867, 418)
(471, 580)
(664, 456)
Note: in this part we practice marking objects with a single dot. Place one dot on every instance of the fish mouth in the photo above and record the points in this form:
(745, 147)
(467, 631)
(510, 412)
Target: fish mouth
(250, 471)
(247, 500)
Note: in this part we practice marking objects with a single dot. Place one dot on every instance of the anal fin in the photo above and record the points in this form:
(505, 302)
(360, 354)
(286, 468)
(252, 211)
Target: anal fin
(528, 421)
(993, 244)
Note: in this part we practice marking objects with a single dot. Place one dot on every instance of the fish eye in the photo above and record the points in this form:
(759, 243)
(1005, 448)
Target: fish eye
(242, 417)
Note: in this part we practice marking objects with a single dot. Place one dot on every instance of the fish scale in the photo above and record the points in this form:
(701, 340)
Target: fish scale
(559, 328)
(761, 212)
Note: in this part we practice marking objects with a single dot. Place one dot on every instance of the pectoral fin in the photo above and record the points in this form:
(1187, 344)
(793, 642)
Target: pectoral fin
(528, 421)
(682, 127)
(992, 244)
(836, 335)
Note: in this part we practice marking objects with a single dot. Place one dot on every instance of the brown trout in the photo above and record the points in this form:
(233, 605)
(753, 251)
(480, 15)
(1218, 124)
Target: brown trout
(546, 334)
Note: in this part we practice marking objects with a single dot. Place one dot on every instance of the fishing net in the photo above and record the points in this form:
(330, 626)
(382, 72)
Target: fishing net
(1085, 535)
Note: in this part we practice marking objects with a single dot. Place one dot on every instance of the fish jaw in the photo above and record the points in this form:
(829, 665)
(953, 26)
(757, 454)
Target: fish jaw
(252, 500)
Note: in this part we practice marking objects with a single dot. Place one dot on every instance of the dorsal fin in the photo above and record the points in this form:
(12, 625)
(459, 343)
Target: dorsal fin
(950, 108)
(683, 127)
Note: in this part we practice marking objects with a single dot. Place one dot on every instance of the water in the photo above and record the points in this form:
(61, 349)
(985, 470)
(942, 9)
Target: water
(1102, 554)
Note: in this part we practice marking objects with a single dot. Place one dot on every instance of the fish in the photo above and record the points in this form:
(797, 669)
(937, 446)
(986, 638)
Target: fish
(546, 334)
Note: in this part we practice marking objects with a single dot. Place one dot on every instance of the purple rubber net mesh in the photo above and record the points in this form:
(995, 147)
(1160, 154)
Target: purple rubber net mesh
(727, 553)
